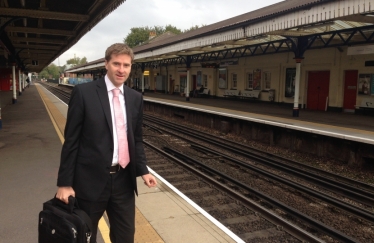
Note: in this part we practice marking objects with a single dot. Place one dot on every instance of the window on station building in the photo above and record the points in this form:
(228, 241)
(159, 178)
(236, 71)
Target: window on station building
(249, 80)
(267, 80)
(234, 81)
(183, 83)
(205, 80)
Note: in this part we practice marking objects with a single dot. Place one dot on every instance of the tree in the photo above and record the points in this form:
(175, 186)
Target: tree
(172, 29)
(77, 61)
(139, 35)
(51, 71)
(193, 28)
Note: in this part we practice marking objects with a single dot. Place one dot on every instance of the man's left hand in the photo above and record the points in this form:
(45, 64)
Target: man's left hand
(149, 180)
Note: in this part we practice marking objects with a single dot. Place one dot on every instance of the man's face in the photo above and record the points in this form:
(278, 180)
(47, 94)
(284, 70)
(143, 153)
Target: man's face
(118, 68)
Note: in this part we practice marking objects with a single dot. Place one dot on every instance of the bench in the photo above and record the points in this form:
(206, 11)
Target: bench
(366, 105)
(205, 93)
(231, 93)
(251, 94)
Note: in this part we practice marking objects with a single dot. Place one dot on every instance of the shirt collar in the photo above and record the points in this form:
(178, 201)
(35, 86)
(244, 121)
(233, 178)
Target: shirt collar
(110, 86)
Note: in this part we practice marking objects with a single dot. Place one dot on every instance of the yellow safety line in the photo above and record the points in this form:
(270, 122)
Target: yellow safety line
(103, 226)
(104, 230)
(44, 99)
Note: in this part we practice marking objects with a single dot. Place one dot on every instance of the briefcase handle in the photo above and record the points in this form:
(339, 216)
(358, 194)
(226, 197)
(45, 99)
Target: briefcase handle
(73, 203)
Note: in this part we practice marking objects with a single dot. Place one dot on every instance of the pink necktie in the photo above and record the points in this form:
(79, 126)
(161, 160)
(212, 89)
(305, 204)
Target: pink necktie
(123, 149)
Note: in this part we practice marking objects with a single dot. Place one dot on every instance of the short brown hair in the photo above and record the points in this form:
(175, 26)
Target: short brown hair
(117, 49)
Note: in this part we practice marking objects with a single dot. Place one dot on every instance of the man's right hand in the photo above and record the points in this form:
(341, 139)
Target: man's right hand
(63, 193)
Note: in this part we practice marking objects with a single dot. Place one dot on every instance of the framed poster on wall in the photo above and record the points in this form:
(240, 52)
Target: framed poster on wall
(289, 90)
(364, 81)
(222, 78)
(257, 79)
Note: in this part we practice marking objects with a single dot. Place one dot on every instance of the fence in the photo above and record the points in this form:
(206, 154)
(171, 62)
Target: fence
(76, 81)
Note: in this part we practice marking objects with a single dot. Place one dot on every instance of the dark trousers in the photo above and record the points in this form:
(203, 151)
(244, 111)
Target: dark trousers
(118, 200)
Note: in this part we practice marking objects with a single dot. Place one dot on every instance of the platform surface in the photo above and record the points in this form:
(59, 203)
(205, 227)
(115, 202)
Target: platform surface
(342, 125)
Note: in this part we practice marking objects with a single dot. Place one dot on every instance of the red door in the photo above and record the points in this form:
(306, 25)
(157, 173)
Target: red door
(350, 89)
(193, 82)
(318, 90)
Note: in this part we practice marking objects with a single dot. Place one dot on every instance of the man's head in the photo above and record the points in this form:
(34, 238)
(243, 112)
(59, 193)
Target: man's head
(117, 49)
(118, 61)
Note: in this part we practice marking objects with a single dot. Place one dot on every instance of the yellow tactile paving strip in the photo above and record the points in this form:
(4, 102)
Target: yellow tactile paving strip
(144, 233)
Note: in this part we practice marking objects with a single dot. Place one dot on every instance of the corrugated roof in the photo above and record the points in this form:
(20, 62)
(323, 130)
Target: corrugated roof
(254, 16)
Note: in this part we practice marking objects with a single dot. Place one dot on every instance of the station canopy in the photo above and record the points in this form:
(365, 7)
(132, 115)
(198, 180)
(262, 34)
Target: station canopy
(273, 29)
(288, 26)
(33, 33)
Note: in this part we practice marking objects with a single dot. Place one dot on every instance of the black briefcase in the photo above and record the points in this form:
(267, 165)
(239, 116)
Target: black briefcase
(64, 223)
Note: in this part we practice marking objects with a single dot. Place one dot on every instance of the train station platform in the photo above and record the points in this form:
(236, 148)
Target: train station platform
(349, 126)
(30, 146)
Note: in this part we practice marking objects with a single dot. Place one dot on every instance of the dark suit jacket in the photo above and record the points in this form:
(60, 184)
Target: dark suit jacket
(87, 152)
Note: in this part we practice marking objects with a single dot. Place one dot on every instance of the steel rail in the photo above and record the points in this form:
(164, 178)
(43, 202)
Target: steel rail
(318, 225)
(272, 217)
(322, 196)
(350, 188)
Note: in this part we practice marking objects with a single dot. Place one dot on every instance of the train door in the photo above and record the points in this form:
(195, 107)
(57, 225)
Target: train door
(350, 90)
(318, 90)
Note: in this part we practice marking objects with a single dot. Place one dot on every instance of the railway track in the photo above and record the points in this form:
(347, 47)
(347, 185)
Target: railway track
(250, 221)
(63, 93)
(328, 203)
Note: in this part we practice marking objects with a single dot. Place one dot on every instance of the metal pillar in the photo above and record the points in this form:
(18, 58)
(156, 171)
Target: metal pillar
(188, 85)
(19, 83)
(142, 83)
(295, 112)
(14, 87)
(142, 77)
(23, 81)
(188, 66)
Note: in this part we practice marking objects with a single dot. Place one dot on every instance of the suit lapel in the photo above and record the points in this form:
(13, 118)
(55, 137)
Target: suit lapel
(102, 92)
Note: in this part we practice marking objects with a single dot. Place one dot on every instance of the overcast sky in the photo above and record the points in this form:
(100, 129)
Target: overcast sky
(140, 13)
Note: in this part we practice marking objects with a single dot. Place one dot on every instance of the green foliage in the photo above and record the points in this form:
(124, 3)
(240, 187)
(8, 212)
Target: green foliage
(51, 71)
(137, 36)
(172, 29)
(193, 28)
(140, 35)
(77, 61)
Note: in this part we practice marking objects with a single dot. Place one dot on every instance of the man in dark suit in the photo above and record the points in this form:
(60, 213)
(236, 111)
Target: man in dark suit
(91, 167)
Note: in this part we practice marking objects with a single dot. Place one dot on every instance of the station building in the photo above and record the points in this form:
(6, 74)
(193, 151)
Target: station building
(309, 54)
